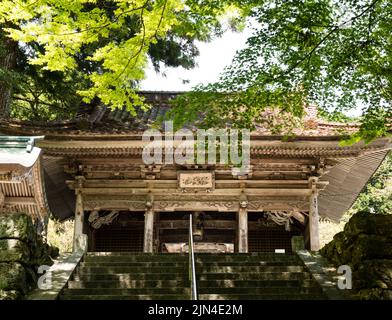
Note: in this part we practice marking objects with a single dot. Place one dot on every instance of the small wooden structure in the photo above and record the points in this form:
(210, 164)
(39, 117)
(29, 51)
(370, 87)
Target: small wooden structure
(94, 172)
(22, 187)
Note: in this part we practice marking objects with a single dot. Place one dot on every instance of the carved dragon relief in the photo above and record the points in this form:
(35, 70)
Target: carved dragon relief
(281, 218)
(96, 221)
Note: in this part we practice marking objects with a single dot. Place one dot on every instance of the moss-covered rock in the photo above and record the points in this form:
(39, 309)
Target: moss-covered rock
(374, 274)
(40, 253)
(13, 277)
(365, 245)
(337, 251)
(367, 223)
(368, 246)
(14, 250)
(375, 294)
(22, 251)
(16, 226)
(10, 295)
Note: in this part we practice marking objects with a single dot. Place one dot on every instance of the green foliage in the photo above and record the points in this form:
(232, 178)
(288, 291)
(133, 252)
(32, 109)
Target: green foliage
(377, 194)
(60, 234)
(96, 49)
(335, 54)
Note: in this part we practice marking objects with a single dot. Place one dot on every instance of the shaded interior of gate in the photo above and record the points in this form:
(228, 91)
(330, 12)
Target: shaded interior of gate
(126, 232)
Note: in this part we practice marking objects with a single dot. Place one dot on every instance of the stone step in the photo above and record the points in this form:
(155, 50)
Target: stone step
(114, 259)
(238, 268)
(137, 258)
(200, 297)
(198, 263)
(287, 258)
(127, 297)
(255, 276)
(199, 269)
(246, 262)
(284, 276)
(85, 276)
(128, 284)
(184, 291)
(260, 290)
(125, 253)
(185, 283)
(144, 264)
(130, 269)
(127, 291)
(261, 297)
(203, 254)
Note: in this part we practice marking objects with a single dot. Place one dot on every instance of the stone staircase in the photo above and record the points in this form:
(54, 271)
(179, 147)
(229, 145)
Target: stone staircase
(255, 276)
(129, 276)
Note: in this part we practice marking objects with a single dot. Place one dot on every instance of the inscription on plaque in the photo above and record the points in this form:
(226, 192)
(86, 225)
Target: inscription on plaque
(196, 180)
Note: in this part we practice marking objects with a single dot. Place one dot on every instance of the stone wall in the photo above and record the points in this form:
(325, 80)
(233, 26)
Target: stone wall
(22, 251)
(365, 245)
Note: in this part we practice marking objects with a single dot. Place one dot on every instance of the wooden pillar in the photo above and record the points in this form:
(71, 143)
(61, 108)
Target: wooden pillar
(78, 223)
(314, 217)
(148, 230)
(243, 224)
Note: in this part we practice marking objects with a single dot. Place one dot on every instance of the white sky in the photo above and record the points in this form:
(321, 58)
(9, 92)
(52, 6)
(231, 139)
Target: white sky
(214, 56)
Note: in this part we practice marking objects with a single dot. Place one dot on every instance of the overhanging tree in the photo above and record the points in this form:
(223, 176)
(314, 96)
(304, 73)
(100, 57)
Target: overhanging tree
(335, 54)
(97, 50)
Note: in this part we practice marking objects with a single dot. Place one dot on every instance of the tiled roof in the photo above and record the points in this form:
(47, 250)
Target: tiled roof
(103, 120)
(21, 182)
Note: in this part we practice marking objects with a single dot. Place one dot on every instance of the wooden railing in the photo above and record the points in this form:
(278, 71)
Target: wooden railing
(192, 268)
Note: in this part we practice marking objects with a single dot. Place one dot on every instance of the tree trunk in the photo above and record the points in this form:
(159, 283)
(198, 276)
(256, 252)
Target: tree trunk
(8, 52)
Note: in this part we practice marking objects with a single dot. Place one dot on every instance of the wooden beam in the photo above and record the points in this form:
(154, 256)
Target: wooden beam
(19, 200)
(207, 224)
(172, 184)
(217, 192)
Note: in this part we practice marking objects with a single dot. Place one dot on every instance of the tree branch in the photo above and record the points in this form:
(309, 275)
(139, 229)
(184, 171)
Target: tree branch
(309, 54)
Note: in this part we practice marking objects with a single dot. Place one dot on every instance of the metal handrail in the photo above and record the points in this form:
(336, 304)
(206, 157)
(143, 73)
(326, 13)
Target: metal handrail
(192, 268)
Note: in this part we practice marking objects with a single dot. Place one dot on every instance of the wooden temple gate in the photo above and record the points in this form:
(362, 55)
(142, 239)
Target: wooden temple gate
(126, 206)
(92, 170)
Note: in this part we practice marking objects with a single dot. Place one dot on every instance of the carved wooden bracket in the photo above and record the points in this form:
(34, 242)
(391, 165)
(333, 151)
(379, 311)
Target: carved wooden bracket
(243, 175)
(80, 181)
(313, 184)
(150, 172)
(96, 221)
(243, 203)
